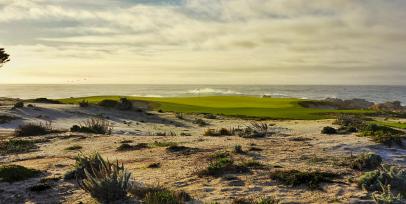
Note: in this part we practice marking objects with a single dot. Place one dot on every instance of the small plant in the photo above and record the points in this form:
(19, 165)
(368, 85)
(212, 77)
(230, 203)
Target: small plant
(84, 104)
(74, 147)
(221, 163)
(106, 182)
(238, 149)
(350, 121)
(94, 125)
(161, 197)
(210, 116)
(13, 173)
(366, 161)
(83, 162)
(386, 196)
(32, 129)
(265, 200)
(296, 178)
(179, 116)
(255, 130)
(19, 104)
(218, 132)
(328, 130)
(200, 122)
(16, 146)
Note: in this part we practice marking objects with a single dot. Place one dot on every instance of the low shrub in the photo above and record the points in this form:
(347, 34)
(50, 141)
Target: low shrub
(264, 200)
(95, 126)
(128, 147)
(252, 164)
(161, 197)
(179, 116)
(366, 161)
(125, 104)
(210, 116)
(200, 122)
(179, 149)
(74, 147)
(83, 162)
(238, 149)
(296, 178)
(385, 175)
(154, 165)
(221, 163)
(84, 104)
(39, 187)
(352, 121)
(255, 130)
(218, 132)
(45, 100)
(328, 130)
(19, 104)
(106, 182)
(107, 103)
(32, 129)
(164, 143)
(16, 146)
(13, 173)
(383, 134)
(6, 119)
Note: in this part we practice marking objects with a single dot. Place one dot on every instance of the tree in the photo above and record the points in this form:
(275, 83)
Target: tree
(4, 57)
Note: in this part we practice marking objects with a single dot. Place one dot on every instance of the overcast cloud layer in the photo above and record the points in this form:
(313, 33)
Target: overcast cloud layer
(204, 41)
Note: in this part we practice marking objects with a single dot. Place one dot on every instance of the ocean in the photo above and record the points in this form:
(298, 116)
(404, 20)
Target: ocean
(371, 93)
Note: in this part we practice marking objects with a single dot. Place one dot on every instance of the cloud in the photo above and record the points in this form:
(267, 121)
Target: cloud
(268, 38)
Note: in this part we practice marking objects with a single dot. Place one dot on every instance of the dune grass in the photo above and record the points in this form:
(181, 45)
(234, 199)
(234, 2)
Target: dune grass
(242, 106)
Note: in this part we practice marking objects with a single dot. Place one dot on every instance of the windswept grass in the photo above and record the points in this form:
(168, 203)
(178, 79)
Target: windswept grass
(242, 106)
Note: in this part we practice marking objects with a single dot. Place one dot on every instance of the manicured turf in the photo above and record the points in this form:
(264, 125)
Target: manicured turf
(392, 124)
(244, 106)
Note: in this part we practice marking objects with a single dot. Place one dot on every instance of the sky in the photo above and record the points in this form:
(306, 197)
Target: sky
(204, 41)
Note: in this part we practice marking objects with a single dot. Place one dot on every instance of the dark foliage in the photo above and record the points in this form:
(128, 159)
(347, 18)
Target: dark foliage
(13, 173)
(32, 129)
(296, 178)
(4, 57)
(328, 130)
(45, 100)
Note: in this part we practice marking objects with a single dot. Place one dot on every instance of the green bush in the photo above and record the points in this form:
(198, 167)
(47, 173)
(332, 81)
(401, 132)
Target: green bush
(106, 182)
(128, 147)
(385, 175)
(13, 173)
(16, 146)
(328, 130)
(32, 129)
(83, 104)
(255, 130)
(179, 149)
(296, 178)
(45, 100)
(84, 162)
(383, 134)
(366, 161)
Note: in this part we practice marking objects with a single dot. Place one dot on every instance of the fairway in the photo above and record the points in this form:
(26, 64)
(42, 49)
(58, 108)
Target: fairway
(242, 106)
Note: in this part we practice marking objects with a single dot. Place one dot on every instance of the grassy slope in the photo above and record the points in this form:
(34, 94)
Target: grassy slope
(392, 124)
(277, 108)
